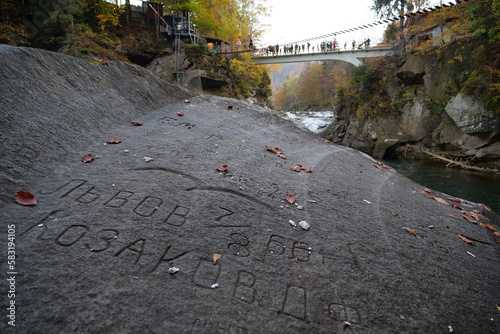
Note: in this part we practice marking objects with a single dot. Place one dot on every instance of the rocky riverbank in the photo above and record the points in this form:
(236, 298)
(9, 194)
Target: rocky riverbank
(461, 126)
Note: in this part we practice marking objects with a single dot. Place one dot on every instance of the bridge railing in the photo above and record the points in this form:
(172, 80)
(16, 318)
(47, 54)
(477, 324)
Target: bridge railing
(271, 50)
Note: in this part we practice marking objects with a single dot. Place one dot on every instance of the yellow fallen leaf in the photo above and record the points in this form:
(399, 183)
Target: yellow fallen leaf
(216, 257)
(440, 200)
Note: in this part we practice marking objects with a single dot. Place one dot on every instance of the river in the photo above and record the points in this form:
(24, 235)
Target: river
(473, 186)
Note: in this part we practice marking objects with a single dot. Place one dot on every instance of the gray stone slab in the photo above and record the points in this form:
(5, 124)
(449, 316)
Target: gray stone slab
(98, 252)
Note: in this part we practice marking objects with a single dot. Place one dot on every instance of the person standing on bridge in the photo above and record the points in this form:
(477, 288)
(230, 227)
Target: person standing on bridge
(239, 44)
(308, 45)
(353, 44)
(345, 46)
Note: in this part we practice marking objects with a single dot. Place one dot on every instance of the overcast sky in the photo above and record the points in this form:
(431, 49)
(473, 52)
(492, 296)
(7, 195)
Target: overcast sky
(293, 20)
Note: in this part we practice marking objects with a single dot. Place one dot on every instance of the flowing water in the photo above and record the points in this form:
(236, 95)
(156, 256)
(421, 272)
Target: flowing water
(473, 186)
(316, 121)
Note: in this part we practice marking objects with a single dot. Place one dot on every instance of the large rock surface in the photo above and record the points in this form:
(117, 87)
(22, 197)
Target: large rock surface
(471, 116)
(98, 252)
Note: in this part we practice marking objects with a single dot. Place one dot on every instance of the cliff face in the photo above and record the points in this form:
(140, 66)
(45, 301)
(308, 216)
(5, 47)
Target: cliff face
(457, 123)
(207, 73)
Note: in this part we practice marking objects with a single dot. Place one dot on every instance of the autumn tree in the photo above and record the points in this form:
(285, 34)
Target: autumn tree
(12, 30)
(468, 35)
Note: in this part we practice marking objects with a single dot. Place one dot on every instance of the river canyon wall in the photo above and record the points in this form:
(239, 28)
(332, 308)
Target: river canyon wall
(434, 114)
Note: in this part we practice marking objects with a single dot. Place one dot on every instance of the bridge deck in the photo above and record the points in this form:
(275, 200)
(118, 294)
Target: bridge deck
(352, 56)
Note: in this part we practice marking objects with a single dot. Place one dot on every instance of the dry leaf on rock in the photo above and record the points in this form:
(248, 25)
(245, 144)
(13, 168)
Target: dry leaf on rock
(230, 107)
(475, 216)
(180, 113)
(456, 206)
(427, 190)
(464, 239)
(187, 101)
(24, 198)
(456, 200)
(222, 168)
(484, 207)
(410, 231)
(470, 219)
(87, 158)
(325, 140)
(454, 216)
(114, 141)
(375, 165)
(489, 226)
(290, 198)
(440, 200)
(136, 123)
(426, 194)
(216, 257)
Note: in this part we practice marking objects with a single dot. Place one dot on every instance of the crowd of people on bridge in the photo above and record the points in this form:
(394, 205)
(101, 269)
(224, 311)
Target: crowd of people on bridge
(325, 46)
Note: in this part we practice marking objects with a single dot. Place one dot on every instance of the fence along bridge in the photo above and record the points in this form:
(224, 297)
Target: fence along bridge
(351, 56)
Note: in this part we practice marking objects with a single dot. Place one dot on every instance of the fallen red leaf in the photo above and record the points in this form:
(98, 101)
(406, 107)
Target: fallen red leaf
(277, 150)
(484, 206)
(357, 177)
(281, 156)
(180, 113)
(386, 167)
(289, 198)
(476, 211)
(114, 141)
(105, 63)
(230, 107)
(456, 206)
(326, 141)
(222, 168)
(295, 168)
(470, 219)
(375, 165)
(454, 216)
(307, 170)
(426, 194)
(136, 123)
(464, 239)
(476, 216)
(410, 231)
(24, 198)
(87, 158)
(456, 200)
(489, 226)
(427, 190)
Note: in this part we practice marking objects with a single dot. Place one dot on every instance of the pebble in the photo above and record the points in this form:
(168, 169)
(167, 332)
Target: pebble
(305, 225)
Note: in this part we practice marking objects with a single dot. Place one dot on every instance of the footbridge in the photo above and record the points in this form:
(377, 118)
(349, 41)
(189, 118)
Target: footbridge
(351, 56)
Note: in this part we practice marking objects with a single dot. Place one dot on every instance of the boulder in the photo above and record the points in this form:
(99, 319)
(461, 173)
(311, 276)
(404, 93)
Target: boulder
(195, 223)
(471, 116)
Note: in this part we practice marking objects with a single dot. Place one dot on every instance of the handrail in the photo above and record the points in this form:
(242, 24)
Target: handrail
(158, 14)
